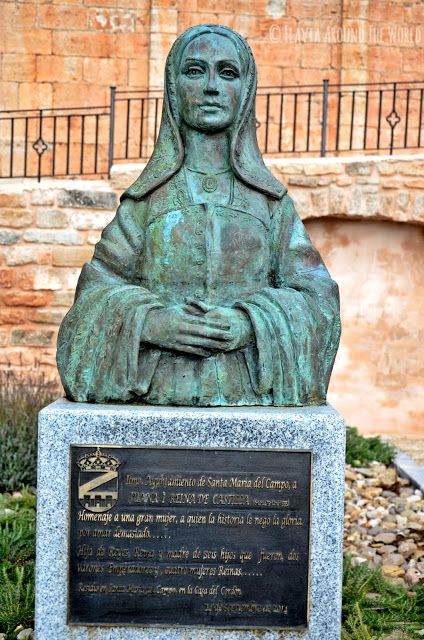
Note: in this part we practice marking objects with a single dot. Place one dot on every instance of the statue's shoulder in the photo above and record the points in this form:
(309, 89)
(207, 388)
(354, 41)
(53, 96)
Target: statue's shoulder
(131, 210)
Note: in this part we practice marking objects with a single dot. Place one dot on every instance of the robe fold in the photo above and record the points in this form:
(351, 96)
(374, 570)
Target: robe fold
(253, 254)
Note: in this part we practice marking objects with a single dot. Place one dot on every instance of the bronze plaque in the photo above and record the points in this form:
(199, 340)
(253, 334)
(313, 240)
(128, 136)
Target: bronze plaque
(184, 537)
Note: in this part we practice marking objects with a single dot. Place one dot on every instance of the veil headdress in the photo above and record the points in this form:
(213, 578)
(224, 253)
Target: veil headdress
(245, 157)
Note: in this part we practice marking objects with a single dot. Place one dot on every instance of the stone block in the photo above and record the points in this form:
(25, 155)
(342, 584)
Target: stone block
(112, 20)
(57, 69)
(51, 218)
(319, 199)
(4, 338)
(20, 16)
(35, 95)
(71, 256)
(386, 168)
(13, 316)
(418, 183)
(12, 200)
(319, 429)
(359, 168)
(53, 237)
(8, 237)
(14, 357)
(62, 17)
(315, 55)
(9, 93)
(322, 168)
(6, 278)
(19, 255)
(87, 199)
(337, 200)
(164, 21)
(55, 278)
(32, 338)
(93, 237)
(15, 218)
(47, 316)
(302, 202)
(89, 95)
(43, 197)
(104, 70)
(83, 43)
(308, 181)
(138, 73)
(131, 46)
(91, 219)
(62, 298)
(411, 168)
(26, 298)
(403, 199)
(418, 209)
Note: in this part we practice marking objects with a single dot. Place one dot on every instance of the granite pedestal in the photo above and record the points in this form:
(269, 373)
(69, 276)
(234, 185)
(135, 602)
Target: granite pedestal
(319, 429)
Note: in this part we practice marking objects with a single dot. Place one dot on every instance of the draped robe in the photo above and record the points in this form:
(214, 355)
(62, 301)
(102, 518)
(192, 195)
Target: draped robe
(253, 254)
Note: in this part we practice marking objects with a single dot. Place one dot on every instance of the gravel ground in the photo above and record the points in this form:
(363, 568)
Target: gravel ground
(384, 522)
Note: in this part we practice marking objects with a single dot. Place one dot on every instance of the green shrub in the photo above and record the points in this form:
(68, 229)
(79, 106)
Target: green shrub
(373, 607)
(17, 556)
(361, 450)
(20, 401)
(17, 529)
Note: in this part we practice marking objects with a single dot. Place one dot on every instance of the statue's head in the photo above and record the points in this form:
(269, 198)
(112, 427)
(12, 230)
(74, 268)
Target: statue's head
(210, 85)
(207, 71)
(209, 80)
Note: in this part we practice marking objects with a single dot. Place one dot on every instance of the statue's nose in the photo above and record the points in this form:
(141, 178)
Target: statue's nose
(211, 85)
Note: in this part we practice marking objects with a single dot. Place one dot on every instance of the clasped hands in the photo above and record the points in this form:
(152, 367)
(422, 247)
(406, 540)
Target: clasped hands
(197, 328)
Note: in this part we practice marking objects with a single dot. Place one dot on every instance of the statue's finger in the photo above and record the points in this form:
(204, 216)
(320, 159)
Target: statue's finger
(206, 332)
(202, 321)
(208, 343)
(191, 309)
(203, 306)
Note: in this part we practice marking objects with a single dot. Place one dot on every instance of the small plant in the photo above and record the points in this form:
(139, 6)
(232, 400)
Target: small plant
(373, 607)
(21, 398)
(17, 556)
(361, 450)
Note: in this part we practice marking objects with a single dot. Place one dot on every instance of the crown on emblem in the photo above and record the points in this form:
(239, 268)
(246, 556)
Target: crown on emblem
(98, 461)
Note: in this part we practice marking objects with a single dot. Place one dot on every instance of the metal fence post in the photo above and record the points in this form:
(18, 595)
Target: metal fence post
(111, 128)
(324, 117)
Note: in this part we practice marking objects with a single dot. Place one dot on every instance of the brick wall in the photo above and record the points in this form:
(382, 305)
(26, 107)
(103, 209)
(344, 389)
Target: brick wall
(68, 52)
(365, 216)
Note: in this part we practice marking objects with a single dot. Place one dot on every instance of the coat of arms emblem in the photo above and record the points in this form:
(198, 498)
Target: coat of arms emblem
(98, 481)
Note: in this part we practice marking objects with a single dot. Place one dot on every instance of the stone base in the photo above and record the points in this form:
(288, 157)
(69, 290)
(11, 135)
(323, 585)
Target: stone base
(320, 429)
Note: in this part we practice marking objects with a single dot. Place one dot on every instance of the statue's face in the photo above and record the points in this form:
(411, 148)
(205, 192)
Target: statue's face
(209, 83)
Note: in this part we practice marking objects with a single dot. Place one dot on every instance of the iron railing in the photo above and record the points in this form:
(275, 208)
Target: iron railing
(293, 120)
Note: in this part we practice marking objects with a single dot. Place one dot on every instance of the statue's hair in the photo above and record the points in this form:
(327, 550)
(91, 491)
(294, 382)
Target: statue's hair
(245, 157)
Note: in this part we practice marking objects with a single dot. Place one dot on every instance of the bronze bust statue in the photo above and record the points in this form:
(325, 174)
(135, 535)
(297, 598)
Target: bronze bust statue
(205, 289)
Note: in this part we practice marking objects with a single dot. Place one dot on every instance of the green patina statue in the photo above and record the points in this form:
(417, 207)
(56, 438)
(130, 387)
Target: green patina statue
(205, 289)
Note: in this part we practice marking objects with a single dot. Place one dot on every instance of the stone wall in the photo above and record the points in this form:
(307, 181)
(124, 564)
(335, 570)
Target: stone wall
(64, 53)
(365, 216)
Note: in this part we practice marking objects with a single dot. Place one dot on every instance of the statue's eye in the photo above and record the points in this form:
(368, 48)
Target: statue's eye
(228, 72)
(194, 71)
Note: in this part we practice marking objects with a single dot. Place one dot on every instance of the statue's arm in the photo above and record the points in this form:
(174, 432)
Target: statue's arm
(295, 318)
(293, 254)
(117, 255)
(99, 356)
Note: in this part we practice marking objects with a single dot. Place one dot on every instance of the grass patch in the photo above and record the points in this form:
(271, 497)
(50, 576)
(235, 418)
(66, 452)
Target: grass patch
(17, 558)
(374, 608)
(360, 450)
(20, 401)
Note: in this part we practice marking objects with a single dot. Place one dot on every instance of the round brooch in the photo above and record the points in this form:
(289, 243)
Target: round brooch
(209, 183)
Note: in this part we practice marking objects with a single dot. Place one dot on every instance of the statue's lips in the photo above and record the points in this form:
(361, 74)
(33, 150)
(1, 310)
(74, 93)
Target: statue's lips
(210, 107)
